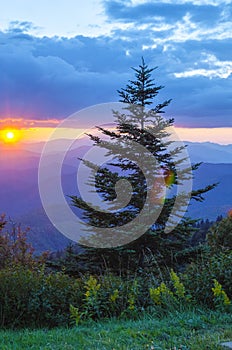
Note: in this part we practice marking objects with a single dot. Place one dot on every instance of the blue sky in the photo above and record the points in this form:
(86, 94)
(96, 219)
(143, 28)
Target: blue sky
(60, 56)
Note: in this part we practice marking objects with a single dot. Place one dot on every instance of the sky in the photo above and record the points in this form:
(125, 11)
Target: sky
(57, 57)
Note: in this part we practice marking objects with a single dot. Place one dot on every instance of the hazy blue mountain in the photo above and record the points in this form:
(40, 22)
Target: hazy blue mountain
(219, 200)
(19, 194)
(209, 152)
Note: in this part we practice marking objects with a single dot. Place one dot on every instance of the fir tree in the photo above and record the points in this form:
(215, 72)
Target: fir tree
(133, 126)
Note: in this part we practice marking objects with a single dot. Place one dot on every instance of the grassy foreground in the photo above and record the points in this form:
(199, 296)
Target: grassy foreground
(188, 330)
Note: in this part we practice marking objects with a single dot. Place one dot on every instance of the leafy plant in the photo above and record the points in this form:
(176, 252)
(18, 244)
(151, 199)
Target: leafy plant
(33, 298)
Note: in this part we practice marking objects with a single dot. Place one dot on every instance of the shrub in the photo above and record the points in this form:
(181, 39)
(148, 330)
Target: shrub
(200, 275)
(213, 264)
(14, 248)
(219, 236)
(30, 298)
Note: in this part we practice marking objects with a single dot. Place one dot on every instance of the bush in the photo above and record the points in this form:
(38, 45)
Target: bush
(219, 237)
(109, 296)
(34, 298)
(200, 275)
(31, 298)
(14, 248)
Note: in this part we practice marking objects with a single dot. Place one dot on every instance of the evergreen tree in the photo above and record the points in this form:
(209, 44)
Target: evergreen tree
(148, 129)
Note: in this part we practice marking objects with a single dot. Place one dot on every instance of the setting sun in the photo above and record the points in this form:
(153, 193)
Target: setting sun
(10, 135)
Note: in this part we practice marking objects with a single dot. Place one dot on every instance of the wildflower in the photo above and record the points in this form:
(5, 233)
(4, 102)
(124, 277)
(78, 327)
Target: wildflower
(155, 295)
(164, 290)
(219, 294)
(179, 287)
(91, 287)
(87, 294)
(160, 292)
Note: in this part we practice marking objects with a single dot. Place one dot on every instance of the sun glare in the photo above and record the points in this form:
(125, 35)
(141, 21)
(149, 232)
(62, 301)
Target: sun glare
(10, 135)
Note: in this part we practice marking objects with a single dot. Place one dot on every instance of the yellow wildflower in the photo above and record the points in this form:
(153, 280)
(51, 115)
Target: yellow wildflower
(91, 287)
(219, 293)
(160, 292)
(155, 295)
(164, 289)
(179, 287)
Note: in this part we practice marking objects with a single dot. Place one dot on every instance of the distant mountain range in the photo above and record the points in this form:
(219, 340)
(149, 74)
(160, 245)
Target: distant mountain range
(217, 201)
(19, 195)
(209, 152)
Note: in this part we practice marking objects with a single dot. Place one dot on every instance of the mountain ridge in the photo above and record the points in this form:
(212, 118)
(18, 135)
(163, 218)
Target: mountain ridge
(20, 200)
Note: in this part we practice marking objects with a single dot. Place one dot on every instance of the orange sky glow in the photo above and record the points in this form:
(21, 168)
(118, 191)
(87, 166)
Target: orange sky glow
(41, 130)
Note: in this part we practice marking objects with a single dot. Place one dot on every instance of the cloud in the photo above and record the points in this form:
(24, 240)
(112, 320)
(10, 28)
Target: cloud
(46, 78)
(216, 68)
(194, 2)
(200, 102)
(21, 123)
(20, 27)
(49, 78)
(150, 11)
(177, 21)
(223, 72)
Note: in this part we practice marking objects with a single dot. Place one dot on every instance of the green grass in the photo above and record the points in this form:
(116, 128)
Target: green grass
(192, 330)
